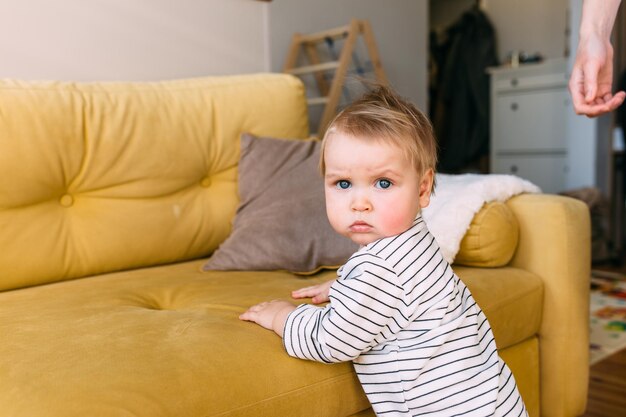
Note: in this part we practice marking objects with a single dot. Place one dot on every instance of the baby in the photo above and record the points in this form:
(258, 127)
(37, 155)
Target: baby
(419, 342)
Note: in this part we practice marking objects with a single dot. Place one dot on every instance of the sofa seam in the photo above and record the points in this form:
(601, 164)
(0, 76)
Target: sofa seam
(186, 84)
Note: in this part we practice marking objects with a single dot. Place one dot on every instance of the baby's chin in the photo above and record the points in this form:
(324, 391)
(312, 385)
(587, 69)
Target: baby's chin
(364, 239)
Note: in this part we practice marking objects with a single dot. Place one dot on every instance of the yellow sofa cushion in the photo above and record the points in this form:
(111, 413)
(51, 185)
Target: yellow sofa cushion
(511, 298)
(100, 177)
(162, 341)
(491, 239)
(136, 342)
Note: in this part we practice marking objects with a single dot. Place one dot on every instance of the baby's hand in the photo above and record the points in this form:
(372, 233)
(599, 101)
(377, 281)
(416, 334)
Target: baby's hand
(318, 293)
(272, 315)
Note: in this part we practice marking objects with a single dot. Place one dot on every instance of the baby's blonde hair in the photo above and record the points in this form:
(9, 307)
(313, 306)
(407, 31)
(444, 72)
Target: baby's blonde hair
(383, 115)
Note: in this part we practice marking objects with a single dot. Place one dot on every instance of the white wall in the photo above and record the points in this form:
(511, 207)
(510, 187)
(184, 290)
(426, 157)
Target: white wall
(523, 25)
(529, 25)
(131, 40)
(139, 40)
(400, 28)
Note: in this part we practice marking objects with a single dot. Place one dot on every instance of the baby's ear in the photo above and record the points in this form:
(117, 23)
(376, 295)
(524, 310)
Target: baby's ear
(426, 187)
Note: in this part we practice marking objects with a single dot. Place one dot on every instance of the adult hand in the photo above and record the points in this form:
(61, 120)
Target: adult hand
(592, 78)
(592, 75)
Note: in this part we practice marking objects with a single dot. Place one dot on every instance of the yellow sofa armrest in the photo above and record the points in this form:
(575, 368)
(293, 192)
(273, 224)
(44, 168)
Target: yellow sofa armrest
(555, 244)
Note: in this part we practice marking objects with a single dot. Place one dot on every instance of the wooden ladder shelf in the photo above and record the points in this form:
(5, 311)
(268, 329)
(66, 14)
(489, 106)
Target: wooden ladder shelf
(330, 94)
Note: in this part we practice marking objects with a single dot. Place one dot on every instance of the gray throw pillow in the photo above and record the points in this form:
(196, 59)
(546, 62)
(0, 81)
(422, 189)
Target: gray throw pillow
(281, 221)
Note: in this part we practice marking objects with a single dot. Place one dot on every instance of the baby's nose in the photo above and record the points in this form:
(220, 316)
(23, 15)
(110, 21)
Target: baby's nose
(361, 204)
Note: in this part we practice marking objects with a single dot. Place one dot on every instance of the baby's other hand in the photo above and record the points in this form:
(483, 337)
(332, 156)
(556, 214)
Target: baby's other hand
(272, 315)
(317, 293)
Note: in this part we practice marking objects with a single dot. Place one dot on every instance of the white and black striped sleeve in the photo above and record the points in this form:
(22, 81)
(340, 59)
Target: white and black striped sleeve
(367, 307)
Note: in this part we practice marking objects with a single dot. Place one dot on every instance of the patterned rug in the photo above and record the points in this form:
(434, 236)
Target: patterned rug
(608, 315)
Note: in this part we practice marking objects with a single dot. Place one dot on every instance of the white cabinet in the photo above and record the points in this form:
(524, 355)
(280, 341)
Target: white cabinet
(529, 105)
(546, 170)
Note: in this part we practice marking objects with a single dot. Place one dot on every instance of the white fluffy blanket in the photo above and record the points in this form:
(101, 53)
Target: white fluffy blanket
(458, 198)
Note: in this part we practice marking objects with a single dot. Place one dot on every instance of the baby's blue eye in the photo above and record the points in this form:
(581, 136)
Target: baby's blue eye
(344, 184)
(383, 183)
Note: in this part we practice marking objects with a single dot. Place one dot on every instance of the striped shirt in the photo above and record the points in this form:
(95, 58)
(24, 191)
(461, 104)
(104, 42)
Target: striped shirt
(419, 342)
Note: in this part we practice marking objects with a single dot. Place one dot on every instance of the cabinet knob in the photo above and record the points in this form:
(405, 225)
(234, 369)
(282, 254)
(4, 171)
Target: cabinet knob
(514, 169)
(514, 82)
(514, 106)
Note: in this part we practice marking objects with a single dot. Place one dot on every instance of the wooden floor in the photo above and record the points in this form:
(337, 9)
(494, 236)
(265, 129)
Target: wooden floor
(607, 387)
(607, 382)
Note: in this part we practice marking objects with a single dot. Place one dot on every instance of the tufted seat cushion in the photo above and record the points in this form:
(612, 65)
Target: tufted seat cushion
(166, 341)
(125, 175)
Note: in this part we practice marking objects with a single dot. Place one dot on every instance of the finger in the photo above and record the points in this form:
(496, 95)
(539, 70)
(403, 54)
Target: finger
(597, 110)
(257, 307)
(576, 88)
(615, 101)
(303, 295)
(590, 110)
(248, 316)
(619, 97)
(594, 110)
(319, 299)
(590, 77)
(305, 292)
(306, 288)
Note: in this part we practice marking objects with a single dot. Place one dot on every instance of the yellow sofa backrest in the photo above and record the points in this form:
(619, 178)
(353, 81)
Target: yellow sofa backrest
(98, 177)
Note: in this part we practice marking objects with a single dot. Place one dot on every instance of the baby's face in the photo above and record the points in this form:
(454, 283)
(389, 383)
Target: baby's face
(372, 190)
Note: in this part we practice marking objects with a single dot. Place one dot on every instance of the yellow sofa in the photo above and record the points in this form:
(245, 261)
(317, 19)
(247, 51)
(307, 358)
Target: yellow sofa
(113, 195)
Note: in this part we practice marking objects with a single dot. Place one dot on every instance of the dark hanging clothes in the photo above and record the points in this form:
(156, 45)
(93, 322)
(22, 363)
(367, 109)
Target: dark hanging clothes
(461, 98)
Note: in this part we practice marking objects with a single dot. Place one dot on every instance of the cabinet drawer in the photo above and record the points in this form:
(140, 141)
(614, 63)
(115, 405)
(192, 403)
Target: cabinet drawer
(530, 121)
(512, 83)
(546, 171)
